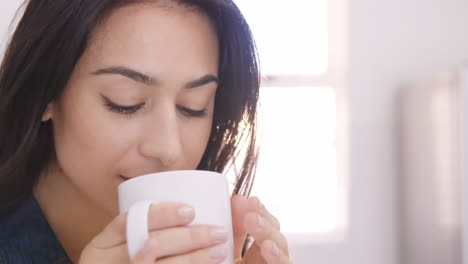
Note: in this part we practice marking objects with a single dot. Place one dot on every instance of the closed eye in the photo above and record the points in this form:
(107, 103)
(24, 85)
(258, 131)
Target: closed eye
(132, 109)
(122, 109)
(192, 113)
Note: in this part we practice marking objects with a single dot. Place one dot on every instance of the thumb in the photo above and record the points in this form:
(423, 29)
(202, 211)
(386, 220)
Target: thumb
(109, 245)
(239, 209)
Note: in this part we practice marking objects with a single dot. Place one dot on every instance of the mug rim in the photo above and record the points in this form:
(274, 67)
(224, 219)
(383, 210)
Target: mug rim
(184, 172)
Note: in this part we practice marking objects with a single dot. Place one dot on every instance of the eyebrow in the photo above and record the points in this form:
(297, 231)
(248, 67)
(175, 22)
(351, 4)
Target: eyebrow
(147, 80)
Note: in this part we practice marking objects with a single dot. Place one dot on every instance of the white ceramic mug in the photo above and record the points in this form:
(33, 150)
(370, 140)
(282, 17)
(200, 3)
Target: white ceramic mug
(207, 192)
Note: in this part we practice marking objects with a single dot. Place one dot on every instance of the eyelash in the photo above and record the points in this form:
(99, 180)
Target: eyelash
(131, 110)
(192, 113)
(125, 110)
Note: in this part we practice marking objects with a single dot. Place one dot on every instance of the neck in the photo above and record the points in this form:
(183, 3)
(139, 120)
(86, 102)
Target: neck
(74, 219)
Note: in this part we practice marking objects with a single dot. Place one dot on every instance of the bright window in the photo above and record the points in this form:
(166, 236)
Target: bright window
(297, 168)
(291, 36)
(297, 176)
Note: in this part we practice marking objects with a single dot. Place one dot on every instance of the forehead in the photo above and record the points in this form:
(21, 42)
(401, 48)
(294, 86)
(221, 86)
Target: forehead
(155, 39)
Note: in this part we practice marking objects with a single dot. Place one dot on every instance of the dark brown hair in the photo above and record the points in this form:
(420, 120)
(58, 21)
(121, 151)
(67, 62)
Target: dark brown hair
(45, 47)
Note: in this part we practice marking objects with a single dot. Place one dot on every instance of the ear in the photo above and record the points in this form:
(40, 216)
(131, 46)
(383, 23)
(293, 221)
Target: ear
(48, 113)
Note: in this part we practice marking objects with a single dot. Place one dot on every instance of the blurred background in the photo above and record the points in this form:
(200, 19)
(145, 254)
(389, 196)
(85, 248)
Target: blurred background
(364, 105)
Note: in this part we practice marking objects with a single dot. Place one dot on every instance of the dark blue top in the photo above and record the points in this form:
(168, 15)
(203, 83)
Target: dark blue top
(26, 238)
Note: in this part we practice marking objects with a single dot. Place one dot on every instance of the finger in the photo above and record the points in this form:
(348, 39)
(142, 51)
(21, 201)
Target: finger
(211, 255)
(258, 206)
(272, 254)
(161, 215)
(254, 255)
(239, 208)
(262, 230)
(148, 254)
(181, 240)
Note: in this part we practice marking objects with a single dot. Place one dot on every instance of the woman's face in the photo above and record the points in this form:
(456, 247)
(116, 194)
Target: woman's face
(140, 100)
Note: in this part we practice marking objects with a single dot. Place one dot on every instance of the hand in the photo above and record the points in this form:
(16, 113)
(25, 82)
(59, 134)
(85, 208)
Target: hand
(250, 217)
(170, 240)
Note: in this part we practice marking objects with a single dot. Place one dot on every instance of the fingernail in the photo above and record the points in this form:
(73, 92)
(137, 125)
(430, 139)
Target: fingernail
(260, 222)
(274, 250)
(219, 234)
(257, 201)
(147, 248)
(186, 212)
(259, 204)
(262, 206)
(217, 252)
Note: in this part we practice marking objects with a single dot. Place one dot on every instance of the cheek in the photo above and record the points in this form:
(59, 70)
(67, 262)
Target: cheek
(195, 139)
(88, 147)
(86, 143)
(83, 134)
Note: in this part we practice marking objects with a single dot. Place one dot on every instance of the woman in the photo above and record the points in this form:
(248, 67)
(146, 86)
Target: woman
(96, 92)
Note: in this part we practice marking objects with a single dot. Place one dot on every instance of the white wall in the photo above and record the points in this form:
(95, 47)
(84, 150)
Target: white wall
(390, 42)
(7, 12)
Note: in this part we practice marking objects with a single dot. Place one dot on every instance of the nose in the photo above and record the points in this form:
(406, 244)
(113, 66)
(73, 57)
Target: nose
(162, 138)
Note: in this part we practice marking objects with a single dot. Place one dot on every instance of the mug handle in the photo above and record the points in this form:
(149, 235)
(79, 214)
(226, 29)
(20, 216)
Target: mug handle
(137, 227)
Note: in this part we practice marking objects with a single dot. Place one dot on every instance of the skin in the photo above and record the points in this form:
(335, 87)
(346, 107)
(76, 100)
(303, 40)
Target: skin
(161, 60)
